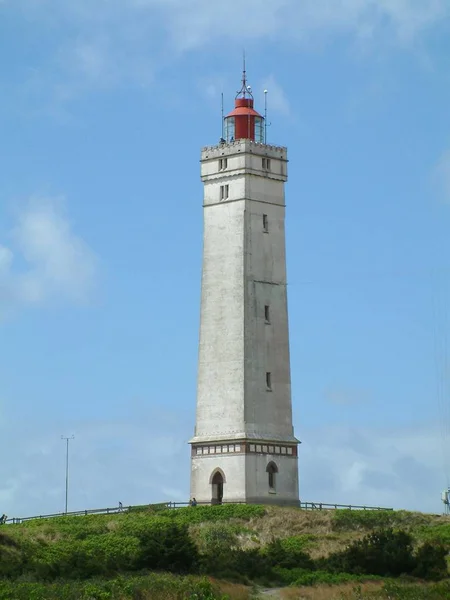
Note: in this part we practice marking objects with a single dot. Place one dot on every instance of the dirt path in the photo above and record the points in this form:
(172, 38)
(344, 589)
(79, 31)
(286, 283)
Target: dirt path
(270, 592)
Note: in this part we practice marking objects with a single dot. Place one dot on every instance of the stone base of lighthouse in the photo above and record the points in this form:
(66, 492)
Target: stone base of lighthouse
(254, 472)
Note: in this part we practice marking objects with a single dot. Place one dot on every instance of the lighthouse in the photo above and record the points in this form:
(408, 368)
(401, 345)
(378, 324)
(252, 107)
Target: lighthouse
(244, 448)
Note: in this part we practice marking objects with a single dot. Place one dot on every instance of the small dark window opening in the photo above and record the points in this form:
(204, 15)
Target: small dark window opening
(224, 191)
(223, 164)
(267, 314)
(265, 223)
(266, 164)
(269, 381)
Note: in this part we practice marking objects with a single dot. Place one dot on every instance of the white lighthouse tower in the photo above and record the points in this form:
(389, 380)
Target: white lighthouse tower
(244, 448)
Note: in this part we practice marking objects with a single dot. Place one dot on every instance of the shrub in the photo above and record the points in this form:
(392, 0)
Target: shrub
(278, 555)
(350, 520)
(151, 587)
(298, 543)
(431, 561)
(168, 547)
(386, 553)
(437, 533)
(221, 512)
(11, 557)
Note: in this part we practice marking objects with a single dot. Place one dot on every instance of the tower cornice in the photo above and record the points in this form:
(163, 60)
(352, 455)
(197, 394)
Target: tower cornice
(243, 146)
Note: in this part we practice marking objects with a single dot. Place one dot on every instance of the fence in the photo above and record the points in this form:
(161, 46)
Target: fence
(166, 505)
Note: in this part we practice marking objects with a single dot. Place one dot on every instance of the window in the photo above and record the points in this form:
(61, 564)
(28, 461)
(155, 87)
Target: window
(266, 164)
(265, 223)
(229, 129)
(259, 130)
(272, 470)
(267, 313)
(269, 381)
(223, 164)
(224, 190)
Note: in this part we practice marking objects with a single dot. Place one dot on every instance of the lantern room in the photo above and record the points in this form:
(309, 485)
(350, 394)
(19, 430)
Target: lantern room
(244, 122)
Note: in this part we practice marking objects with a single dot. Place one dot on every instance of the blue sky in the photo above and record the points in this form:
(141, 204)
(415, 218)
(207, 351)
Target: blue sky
(104, 107)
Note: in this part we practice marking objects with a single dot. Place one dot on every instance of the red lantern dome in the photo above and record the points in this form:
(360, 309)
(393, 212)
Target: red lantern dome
(244, 122)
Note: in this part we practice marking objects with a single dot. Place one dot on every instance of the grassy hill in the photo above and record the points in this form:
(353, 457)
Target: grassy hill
(232, 551)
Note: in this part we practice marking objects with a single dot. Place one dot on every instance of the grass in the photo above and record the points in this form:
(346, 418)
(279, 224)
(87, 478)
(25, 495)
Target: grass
(325, 592)
(363, 591)
(154, 586)
(328, 531)
(319, 533)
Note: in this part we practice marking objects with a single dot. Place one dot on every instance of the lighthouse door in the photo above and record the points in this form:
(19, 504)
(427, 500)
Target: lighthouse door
(217, 488)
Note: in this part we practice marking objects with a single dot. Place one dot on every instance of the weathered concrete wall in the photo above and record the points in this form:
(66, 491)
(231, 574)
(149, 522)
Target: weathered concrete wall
(257, 480)
(220, 388)
(268, 412)
(244, 271)
(233, 467)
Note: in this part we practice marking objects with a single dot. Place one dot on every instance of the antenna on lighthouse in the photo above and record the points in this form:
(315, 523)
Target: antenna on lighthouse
(244, 74)
(223, 122)
(265, 116)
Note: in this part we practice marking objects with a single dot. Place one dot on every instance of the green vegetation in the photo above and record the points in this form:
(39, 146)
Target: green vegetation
(153, 586)
(158, 553)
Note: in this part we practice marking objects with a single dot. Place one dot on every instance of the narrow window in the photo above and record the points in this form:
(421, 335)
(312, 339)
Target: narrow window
(267, 314)
(269, 381)
(224, 189)
(272, 470)
(223, 164)
(266, 164)
(265, 224)
(264, 160)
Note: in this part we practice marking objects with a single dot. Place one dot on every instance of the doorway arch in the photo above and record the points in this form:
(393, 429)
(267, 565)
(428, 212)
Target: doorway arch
(217, 480)
(272, 471)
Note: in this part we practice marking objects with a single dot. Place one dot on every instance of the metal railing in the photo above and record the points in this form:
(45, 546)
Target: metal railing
(323, 506)
(166, 505)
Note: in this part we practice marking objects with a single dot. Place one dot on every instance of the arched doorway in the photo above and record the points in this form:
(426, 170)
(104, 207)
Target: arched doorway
(272, 471)
(217, 482)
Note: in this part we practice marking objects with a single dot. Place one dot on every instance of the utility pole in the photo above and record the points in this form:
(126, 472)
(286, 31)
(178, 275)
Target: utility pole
(67, 439)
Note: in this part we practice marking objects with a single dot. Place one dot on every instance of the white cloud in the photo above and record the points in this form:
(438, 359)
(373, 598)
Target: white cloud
(130, 40)
(144, 458)
(133, 460)
(58, 265)
(441, 176)
(394, 467)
